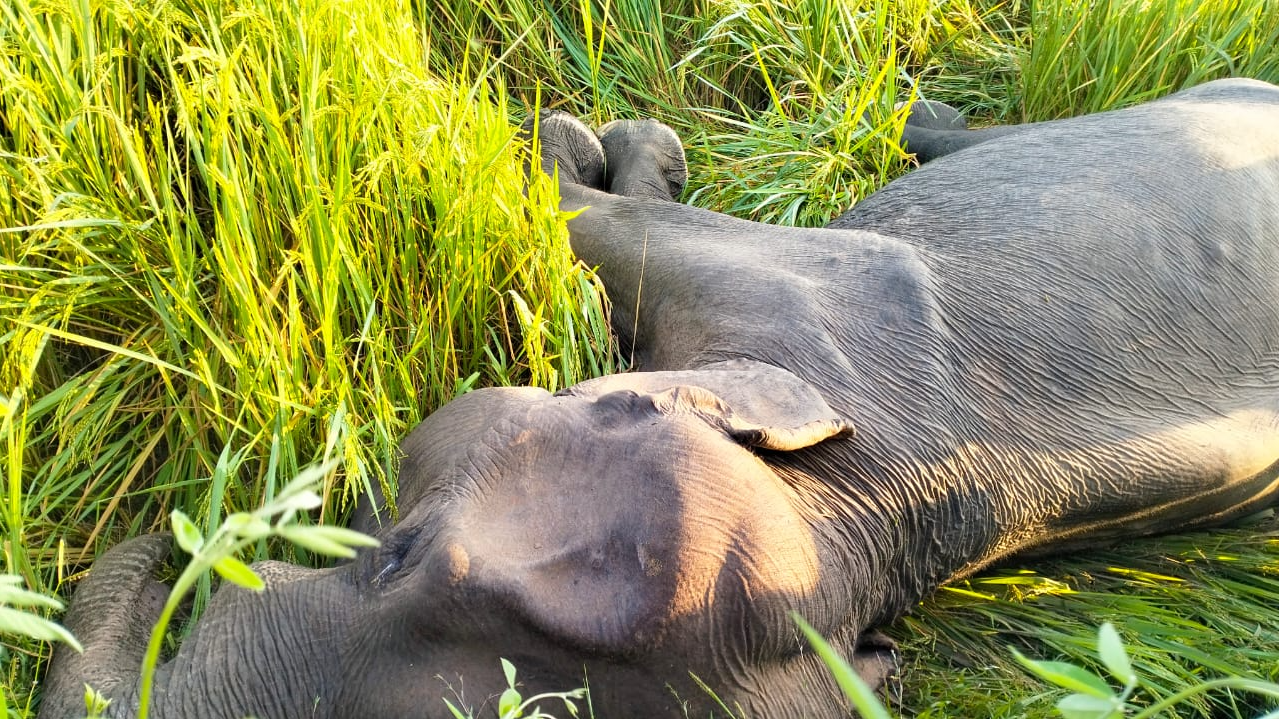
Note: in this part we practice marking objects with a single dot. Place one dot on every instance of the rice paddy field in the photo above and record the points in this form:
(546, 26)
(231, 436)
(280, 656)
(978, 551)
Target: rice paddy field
(241, 237)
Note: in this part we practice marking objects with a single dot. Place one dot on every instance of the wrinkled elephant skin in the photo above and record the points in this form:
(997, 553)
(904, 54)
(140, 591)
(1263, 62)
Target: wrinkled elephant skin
(1048, 336)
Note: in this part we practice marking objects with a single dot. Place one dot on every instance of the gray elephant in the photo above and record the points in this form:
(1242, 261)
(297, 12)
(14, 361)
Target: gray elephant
(1049, 336)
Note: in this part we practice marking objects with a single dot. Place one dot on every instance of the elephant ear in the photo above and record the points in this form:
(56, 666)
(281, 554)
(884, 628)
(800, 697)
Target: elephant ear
(757, 404)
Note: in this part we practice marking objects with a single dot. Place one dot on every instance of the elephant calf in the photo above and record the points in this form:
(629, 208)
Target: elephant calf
(1049, 336)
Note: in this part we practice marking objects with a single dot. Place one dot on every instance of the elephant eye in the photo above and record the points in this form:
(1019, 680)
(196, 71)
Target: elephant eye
(390, 556)
(388, 569)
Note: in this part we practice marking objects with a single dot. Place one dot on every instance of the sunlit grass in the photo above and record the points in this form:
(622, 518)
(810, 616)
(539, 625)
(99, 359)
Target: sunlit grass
(1093, 55)
(1191, 607)
(236, 232)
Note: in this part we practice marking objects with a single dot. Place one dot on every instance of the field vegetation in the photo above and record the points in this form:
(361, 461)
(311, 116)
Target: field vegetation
(240, 237)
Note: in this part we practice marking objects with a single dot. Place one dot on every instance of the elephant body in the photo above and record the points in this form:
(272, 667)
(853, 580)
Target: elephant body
(1069, 335)
(1049, 336)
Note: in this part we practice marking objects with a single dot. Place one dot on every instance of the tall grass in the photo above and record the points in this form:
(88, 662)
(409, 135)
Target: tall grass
(1093, 55)
(793, 97)
(237, 234)
(1192, 607)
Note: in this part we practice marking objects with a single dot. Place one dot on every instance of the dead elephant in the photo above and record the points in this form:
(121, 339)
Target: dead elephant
(1050, 336)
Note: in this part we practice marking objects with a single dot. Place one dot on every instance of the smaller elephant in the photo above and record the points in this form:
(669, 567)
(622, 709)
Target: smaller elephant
(1046, 337)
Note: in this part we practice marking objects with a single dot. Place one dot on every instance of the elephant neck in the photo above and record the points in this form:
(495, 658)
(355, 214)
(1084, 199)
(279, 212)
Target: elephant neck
(893, 525)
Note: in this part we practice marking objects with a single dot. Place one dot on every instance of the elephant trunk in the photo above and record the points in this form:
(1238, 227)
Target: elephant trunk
(112, 615)
(252, 654)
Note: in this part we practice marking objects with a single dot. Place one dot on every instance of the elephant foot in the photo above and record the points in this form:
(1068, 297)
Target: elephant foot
(932, 115)
(643, 158)
(875, 661)
(632, 158)
(567, 146)
(935, 129)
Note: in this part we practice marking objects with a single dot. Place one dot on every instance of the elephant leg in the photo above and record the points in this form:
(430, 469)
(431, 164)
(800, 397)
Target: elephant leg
(601, 234)
(568, 148)
(934, 129)
(643, 158)
(933, 115)
(687, 285)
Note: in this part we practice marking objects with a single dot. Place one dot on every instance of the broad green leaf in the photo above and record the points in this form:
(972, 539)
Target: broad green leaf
(246, 526)
(15, 622)
(508, 705)
(1085, 706)
(854, 688)
(509, 670)
(303, 484)
(1111, 650)
(303, 501)
(343, 536)
(239, 574)
(1067, 676)
(329, 541)
(14, 594)
(94, 703)
(185, 531)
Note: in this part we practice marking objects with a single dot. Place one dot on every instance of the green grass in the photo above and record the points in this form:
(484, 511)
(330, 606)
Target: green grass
(239, 241)
(240, 235)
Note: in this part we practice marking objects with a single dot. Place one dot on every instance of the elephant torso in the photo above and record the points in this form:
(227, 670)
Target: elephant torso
(1032, 350)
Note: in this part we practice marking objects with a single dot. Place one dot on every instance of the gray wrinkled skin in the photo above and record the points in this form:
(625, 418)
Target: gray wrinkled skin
(1049, 336)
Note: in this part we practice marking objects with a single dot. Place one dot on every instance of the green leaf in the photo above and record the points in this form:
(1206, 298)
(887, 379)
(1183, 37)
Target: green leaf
(508, 705)
(94, 703)
(329, 541)
(239, 574)
(343, 536)
(14, 594)
(1067, 676)
(299, 493)
(185, 531)
(509, 670)
(246, 526)
(1113, 655)
(19, 623)
(1084, 706)
(571, 706)
(854, 688)
(303, 501)
(457, 713)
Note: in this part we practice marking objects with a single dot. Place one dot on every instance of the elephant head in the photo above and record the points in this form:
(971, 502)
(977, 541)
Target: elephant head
(625, 532)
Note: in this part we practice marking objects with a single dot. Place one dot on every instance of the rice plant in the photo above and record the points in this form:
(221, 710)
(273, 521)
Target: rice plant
(234, 235)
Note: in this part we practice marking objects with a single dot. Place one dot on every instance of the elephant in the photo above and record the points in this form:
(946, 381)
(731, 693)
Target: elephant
(1046, 337)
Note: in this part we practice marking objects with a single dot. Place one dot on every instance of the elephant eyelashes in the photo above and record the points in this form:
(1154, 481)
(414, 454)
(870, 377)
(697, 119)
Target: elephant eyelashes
(390, 558)
(388, 569)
